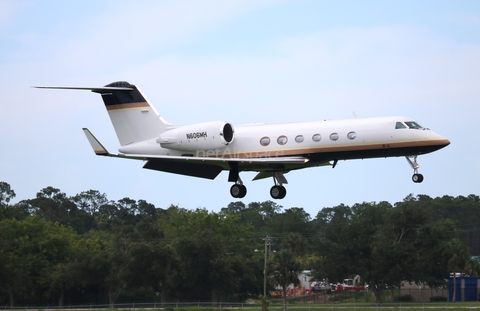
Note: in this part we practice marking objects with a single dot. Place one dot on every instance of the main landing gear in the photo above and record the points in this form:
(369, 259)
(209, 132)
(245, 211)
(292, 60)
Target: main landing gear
(278, 191)
(238, 190)
(412, 160)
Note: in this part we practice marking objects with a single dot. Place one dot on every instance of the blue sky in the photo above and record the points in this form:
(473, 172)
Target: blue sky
(240, 62)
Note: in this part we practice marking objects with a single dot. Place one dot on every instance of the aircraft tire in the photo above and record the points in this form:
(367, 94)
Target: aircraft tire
(278, 192)
(417, 178)
(243, 191)
(275, 192)
(283, 191)
(238, 191)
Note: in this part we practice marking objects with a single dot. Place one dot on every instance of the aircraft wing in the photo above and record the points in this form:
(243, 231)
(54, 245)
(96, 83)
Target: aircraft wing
(204, 167)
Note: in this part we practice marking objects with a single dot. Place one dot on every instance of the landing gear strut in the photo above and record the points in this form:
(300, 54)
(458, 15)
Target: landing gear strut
(412, 160)
(278, 191)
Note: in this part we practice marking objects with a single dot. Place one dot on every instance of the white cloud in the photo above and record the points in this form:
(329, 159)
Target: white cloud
(468, 19)
(129, 32)
(9, 11)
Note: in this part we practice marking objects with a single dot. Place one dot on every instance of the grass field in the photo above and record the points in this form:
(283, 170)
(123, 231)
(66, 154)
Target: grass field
(462, 306)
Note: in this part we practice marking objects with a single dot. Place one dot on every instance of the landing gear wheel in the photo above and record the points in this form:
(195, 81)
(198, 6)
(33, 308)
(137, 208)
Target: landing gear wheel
(278, 192)
(243, 191)
(417, 178)
(238, 191)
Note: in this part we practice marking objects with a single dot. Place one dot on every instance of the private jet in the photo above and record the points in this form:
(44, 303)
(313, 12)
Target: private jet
(272, 150)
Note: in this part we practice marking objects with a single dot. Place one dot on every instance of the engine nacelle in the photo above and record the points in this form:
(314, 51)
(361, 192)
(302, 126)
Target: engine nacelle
(201, 136)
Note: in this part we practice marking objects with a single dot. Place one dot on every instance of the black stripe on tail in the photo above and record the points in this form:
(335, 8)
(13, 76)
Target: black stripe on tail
(118, 97)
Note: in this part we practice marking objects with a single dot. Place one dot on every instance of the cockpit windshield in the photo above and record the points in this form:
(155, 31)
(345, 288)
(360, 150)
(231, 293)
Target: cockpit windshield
(413, 125)
(408, 124)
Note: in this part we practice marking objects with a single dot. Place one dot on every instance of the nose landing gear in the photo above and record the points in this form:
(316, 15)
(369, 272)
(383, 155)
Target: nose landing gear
(412, 160)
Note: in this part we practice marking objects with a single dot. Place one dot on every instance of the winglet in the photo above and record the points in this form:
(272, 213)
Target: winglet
(96, 145)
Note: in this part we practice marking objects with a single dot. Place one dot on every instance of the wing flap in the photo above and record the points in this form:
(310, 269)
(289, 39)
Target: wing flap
(203, 170)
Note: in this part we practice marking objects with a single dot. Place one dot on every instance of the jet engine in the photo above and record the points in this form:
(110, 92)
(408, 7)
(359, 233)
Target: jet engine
(201, 136)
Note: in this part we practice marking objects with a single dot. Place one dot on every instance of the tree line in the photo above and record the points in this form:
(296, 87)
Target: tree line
(83, 249)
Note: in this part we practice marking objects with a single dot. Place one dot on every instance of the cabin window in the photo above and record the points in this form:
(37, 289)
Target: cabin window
(265, 141)
(282, 140)
(352, 135)
(334, 136)
(317, 137)
(400, 125)
(299, 139)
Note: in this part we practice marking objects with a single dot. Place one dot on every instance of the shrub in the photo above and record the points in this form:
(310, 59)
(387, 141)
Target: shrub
(404, 298)
(438, 299)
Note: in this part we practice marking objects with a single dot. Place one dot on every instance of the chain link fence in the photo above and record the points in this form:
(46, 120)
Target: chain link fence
(392, 297)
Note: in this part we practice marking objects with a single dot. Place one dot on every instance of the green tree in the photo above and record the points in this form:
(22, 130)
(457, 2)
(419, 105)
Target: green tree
(285, 268)
(385, 245)
(291, 220)
(89, 267)
(54, 206)
(6, 193)
(234, 208)
(152, 261)
(18, 211)
(458, 259)
(213, 252)
(248, 215)
(90, 201)
(30, 250)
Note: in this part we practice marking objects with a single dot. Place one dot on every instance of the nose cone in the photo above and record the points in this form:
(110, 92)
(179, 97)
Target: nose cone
(439, 142)
(444, 142)
(432, 141)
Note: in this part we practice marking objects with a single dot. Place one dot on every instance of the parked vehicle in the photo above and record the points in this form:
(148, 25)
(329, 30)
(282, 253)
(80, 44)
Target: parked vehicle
(321, 287)
(350, 285)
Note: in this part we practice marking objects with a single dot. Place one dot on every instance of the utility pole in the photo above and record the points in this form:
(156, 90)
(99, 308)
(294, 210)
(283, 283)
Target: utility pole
(267, 242)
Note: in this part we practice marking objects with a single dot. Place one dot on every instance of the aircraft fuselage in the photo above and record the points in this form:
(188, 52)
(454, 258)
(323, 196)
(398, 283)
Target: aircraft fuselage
(318, 141)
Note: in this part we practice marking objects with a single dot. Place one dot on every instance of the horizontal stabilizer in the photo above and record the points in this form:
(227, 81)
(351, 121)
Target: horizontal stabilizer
(93, 89)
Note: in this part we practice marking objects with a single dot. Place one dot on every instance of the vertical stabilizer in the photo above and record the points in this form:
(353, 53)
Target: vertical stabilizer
(132, 116)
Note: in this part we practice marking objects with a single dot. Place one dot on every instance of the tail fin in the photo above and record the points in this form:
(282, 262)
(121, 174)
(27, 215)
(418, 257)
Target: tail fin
(132, 116)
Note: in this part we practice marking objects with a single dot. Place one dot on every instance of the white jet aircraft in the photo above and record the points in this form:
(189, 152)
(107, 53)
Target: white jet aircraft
(205, 149)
